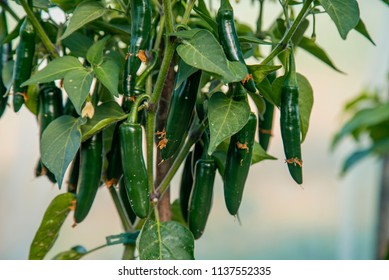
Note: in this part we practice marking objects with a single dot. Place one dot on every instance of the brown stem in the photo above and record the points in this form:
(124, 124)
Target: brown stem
(163, 167)
(383, 216)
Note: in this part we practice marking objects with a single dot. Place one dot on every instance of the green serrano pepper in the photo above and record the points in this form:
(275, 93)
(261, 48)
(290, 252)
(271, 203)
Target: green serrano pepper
(23, 63)
(229, 40)
(140, 30)
(114, 169)
(201, 196)
(238, 163)
(91, 163)
(180, 113)
(50, 108)
(290, 123)
(134, 168)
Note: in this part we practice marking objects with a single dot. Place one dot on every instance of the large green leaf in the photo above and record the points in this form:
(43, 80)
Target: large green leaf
(165, 241)
(204, 52)
(50, 226)
(84, 13)
(314, 49)
(363, 118)
(305, 100)
(344, 13)
(75, 253)
(77, 85)
(59, 144)
(226, 117)
(55, 70)
(108, 74)
(105, 115)
(95, 53)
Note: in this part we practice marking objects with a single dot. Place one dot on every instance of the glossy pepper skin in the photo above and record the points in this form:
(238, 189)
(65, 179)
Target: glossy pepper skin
(134, 168)
(180, 113)
(290, 123)
(140, 30)
(5, 55)
(201, 196)
(229, 39)
(23, 63)
(91, 163)
(238, 163)
(50, 108)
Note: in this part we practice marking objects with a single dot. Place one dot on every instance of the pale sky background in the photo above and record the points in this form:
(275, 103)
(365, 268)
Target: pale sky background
(330, 218)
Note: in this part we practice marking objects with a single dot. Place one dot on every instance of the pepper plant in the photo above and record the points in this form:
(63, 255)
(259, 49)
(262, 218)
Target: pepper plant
(127, 91)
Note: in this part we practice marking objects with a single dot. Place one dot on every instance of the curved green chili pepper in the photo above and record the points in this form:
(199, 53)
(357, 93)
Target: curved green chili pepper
(238, 163)
(290, 123)
(114, 169)
(201, 196)
(134, 168)
(140, 30)
(23, 63)
(229, 40)
(91, 163)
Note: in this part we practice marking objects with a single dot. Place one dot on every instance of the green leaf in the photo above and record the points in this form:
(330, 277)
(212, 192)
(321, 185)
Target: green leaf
(183, 73)
(75, 253)
(32, 102)
(78, 44)
(204, 52)
(77, 85)
(314, 49)
(305, 104)
(59, 144)
(96, 51)
(259, 154)
(202, 11)
(105, 115)
(226, 117)
(220, 157)
(260, 72)
(165, 241)
(344, 13)
(108, 74)
(363, 118)
(186, 34)
(55, 70)
(84, 13)
(266, 90)
(305, 100)
(259, 103)
(50, 226)
(361, 28)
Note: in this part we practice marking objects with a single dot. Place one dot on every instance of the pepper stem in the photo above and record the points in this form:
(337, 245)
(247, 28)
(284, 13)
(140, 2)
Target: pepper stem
(133, 115)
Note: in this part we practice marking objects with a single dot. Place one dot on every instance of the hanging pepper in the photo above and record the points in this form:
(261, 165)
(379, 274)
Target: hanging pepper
(134, 168)
(180, 113)
(229, 40)
(23, 63)
(91, 163)
(238, 163)
(50, 108)
(290, 122)
(140, 30)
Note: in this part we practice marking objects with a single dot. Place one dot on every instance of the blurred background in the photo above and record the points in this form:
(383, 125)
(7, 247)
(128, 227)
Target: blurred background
(329, 217)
